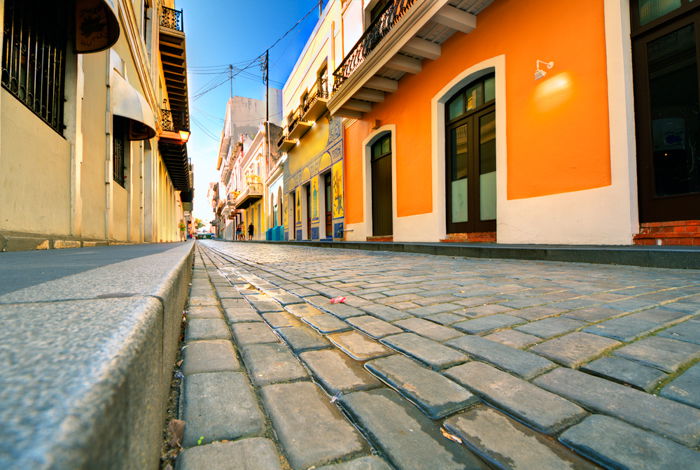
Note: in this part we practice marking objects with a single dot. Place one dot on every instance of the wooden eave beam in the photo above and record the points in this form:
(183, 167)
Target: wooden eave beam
(456, 19)
(422, 48)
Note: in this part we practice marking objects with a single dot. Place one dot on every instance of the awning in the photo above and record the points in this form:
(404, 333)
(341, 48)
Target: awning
(96, 25)
(128, 103)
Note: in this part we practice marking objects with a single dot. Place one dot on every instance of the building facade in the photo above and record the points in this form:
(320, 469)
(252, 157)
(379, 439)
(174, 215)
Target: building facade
(521, 122)
(92, 105)
(313, 139)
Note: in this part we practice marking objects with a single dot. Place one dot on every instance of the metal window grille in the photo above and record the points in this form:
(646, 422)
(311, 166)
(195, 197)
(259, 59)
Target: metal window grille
(119, 151)
(34, 50)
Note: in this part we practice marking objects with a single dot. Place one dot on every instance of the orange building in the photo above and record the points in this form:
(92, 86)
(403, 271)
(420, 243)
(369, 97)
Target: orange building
(542, 121)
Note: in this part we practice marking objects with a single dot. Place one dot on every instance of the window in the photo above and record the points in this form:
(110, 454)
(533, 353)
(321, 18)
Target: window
(34, 57)
(119, 150)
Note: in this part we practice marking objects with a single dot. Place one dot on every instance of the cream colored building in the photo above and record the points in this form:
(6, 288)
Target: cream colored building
(91, 148)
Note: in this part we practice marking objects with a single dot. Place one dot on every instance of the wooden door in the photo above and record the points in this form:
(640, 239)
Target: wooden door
(667, 102)
(329, 204)
(382, 214)
(307, 191)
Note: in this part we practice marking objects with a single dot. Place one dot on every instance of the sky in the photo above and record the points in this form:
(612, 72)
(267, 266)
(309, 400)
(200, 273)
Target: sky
(222, 32)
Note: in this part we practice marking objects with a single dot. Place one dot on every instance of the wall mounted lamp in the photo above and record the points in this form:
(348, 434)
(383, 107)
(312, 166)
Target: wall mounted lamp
(540, 72)
(184, 136)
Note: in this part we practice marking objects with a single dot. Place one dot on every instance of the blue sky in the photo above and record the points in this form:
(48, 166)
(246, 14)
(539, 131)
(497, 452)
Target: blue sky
(221, 32)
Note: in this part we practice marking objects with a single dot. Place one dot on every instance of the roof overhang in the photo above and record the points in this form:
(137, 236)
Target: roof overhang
(96, 25)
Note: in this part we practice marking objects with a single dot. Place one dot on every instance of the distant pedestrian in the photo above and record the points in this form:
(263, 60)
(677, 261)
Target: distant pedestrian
(239, 231)
(251, 231)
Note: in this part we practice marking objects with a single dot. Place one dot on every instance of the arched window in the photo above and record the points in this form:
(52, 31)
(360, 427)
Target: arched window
(471, 158)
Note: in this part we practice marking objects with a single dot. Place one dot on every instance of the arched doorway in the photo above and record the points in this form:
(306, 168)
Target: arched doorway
(470, 158)
(382, 212)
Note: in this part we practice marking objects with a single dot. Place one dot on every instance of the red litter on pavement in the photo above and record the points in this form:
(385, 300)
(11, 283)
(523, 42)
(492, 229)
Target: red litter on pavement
(338, 300)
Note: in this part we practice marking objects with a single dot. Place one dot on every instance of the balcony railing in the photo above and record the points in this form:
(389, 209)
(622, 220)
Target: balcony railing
(173, 121)
(379, 28)
(172, 19)
(319, 91)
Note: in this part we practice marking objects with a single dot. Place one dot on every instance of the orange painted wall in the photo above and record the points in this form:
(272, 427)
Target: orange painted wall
(557, 128)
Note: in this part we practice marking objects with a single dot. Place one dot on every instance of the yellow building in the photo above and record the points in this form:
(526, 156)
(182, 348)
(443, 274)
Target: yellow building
(87, 155)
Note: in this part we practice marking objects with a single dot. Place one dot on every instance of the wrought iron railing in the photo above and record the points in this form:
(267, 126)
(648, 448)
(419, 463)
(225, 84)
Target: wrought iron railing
(172, 19)
(33, 58)
(319, 91)
(380, 27)
(173, 121)
(294, 120)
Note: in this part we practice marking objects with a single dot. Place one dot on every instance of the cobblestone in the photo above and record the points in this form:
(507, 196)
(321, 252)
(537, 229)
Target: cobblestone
(486, 324)
(203, 312)
(679, 422)
(250, 454)
(209, 356)
(575, 349)
(513, 338)
(325, 435)
(337, 372)
(685, 388)
(363, 463)
(252, 333)
(626, 372)
(508, 444)
(687, 331)
(424, 350)
(219, 405)
(242, 314)
(303, 338)
(410, 440)
(428, 329)
(359, 346)
(663, 353)
(207, 328)
(521, 363)
(539, 408)
(623, 329)
(373, 326)
(615, 444)
(550, 327)
(326, 323)
(272, 363)
(280, 319)
(434, 394)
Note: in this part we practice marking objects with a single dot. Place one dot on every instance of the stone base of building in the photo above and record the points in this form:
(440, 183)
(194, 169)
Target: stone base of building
(382, 238)
(474, 237)
(680, 232)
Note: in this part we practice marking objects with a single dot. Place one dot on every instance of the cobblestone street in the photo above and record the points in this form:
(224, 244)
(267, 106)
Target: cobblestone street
(435, 362)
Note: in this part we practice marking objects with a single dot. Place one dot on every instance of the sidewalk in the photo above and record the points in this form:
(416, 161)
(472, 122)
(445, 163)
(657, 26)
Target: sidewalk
(87, 346)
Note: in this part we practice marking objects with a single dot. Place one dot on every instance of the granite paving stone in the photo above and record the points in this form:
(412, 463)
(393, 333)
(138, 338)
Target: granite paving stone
(626, 372)
(623, 329)
(373, 326)
(425, 350)
(209, 356)
(615, 444)
(252, 333)
(217, 406)
(310, 429)
(435, 308)
(206, 328)
(428, 329)
(508, 444)
(371, 462)
(685, 388)
(513, 338)
(575, 349)
(264, 304)
(228, 292)
(445, 318)
(434, 394)
(303, 338)
(337, 372)
(538, 313)
(326, 323)
(688, 331)
(522, 363)
(541, 409)
(550, 327)
(409, 439)
(280, 319)
(272, 363)
(234, 303)
(358, 346)
(483, 310)
(242, 314)
(208, 311)
(341, 311)
(302, 310)
(674, 420)
(664, 316)
(254, 453)
(663, 353)
(593, 314)
(384, 312)
(486, 324)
